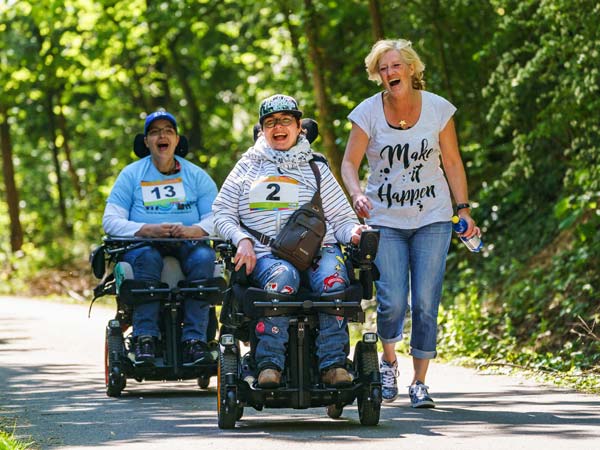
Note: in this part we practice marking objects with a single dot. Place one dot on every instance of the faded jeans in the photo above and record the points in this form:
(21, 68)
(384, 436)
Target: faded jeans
(415, 260)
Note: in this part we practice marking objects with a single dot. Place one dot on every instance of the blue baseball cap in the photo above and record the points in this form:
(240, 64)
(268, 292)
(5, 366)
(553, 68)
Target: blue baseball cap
(159, 115)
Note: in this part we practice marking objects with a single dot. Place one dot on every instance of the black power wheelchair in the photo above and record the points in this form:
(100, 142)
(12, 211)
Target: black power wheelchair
(171, 292)
(117, 280)
(301, 385)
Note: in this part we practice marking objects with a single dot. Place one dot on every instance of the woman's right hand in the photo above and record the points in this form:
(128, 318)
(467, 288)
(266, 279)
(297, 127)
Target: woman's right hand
(362, 205)
(245, 255)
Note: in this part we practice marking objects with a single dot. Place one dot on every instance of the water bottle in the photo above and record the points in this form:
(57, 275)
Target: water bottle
(474, 243)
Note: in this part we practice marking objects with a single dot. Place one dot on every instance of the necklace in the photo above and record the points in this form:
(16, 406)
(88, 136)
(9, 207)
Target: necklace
(403, 124)
(172, 170)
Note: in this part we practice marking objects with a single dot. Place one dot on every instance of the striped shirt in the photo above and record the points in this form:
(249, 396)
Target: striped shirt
(237, 199)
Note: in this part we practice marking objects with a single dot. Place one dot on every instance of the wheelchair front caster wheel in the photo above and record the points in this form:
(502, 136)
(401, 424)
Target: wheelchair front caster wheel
(335, 411)
(203, 382)
(116, 383)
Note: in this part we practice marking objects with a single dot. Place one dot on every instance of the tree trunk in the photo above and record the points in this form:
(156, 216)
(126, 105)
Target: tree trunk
(285, 8)
(62, 125)
(325, 117)
(8, 172)
(55, 159)
(377, 23)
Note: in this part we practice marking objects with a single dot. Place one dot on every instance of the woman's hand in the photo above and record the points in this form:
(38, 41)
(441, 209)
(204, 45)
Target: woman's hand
(155, 230)
(472, 228)
(362, 205)
(357, 231)
(245, 255)
(187, 232)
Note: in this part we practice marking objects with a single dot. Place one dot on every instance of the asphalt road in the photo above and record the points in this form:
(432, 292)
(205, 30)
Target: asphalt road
(52, 391)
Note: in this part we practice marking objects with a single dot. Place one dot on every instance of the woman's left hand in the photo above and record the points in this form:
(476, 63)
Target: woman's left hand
(472, 228)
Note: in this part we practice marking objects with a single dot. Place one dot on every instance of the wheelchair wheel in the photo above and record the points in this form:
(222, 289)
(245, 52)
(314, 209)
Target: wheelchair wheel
(227, 402)
(335, 411)
(114, 378)
(369, 404)
(203, 381)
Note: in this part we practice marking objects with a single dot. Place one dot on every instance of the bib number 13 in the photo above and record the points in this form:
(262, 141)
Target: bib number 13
(163, 192)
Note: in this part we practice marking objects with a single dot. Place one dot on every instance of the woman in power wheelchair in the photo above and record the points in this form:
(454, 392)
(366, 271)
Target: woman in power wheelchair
(159, 206)
(299, 307)
(302, 385)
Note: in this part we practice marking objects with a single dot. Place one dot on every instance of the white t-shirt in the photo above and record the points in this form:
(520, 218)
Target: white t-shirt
(406, 183)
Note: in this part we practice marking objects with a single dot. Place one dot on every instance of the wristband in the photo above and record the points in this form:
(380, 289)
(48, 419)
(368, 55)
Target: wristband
(462, 206)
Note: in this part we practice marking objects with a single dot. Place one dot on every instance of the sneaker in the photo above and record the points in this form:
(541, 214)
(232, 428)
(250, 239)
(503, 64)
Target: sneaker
(389, 384)
(268, 378)
(419, 397)
(195, 352)
(144, 350)
(336, 376)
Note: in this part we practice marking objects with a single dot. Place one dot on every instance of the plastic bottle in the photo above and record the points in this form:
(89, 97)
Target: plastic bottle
(474, 243)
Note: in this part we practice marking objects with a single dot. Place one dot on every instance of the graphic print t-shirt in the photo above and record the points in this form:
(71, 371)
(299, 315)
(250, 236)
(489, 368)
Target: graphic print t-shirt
(406, 183)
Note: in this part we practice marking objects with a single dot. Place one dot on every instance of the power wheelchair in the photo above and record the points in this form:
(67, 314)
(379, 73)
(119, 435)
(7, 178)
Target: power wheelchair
(171, 292)
(301, 385)
(117, 280)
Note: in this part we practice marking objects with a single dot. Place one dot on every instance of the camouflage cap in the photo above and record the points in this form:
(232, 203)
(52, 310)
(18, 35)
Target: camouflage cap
(276, 104)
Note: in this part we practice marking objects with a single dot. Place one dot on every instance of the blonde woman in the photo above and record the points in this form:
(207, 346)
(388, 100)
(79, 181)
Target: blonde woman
(407, 134)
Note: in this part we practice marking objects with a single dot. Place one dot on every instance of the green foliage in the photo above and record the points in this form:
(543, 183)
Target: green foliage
(8, 442)
(537, 285)
(79, 77)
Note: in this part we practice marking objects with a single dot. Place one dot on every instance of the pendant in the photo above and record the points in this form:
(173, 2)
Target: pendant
(402, 124)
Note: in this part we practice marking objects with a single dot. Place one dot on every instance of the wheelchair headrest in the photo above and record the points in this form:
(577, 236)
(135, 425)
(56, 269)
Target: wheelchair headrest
(140, 149)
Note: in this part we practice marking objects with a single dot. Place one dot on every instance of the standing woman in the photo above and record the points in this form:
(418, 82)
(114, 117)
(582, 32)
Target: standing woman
(405, 131)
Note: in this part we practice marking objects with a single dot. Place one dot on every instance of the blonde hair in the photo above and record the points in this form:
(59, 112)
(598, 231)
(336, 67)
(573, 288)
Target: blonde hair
(407, 53)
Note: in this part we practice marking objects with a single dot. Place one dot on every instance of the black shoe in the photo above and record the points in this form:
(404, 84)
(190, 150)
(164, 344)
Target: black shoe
(144, 350)
(196, 352)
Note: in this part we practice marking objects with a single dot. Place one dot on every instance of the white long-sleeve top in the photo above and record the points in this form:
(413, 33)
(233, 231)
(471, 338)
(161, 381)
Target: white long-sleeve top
(266, 186)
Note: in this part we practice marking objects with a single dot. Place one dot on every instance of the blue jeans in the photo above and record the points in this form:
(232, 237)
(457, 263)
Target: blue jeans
(414, 259)
(278, 275)
(197, 262)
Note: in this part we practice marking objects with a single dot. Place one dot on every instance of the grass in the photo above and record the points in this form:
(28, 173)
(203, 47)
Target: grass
(8, 442)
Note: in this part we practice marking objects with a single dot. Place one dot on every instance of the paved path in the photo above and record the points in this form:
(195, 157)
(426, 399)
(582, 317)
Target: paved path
(52, 387)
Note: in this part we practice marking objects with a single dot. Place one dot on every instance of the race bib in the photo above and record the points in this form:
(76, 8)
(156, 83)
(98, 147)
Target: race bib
(163, 193)
(274, 193)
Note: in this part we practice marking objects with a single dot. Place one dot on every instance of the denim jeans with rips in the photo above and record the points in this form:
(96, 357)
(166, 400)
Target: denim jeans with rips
(197, 261)
(327, 275)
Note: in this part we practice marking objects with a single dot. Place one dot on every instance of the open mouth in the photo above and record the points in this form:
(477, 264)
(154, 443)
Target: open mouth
(279, 136)
(395, 82)
(163, 146)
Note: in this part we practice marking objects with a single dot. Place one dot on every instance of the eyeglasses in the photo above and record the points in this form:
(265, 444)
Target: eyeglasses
(271, 122)
(167, 131)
